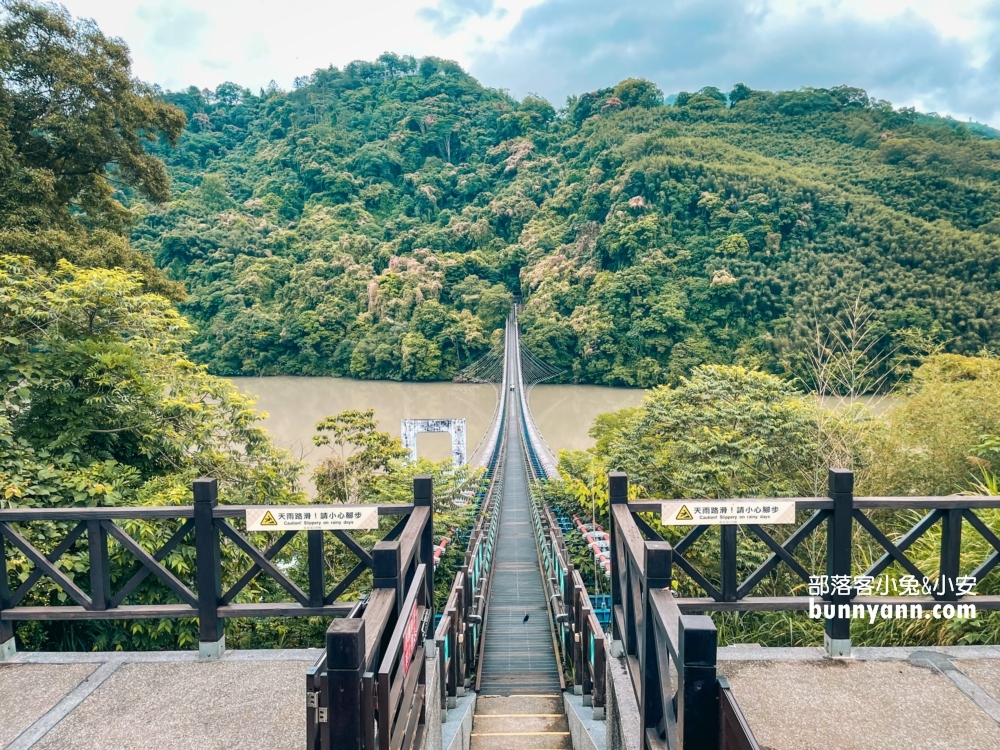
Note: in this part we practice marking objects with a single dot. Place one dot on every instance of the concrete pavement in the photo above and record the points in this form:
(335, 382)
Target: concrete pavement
(793, 698)
(797, 699)
(161, 701)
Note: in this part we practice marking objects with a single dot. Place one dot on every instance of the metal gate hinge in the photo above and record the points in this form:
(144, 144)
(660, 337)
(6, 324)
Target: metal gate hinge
(312, 699)
(321, 716)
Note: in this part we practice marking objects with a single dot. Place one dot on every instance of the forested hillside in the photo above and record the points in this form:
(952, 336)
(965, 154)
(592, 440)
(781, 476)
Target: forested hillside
(376, 221)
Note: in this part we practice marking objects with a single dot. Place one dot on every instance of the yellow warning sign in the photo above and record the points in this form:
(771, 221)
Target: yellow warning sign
(311, 517)
(727, 512)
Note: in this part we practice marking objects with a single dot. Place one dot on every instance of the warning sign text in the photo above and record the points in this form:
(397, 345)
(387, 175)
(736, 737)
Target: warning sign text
(720, 512)
(312, 517)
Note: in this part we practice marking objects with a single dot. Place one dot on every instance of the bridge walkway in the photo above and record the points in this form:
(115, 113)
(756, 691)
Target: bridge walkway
(520, 688)
(518, 656)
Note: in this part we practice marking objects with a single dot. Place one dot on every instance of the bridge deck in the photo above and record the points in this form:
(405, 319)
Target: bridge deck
(519, 657)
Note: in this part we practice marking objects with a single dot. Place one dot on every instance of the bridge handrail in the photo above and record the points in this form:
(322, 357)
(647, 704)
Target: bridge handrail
(459, 634)
(581, 642)
(543, 461)
(642, 572)
(362, 691)
(400, 680)
(494, 438)
(652, 634)
(359, 699)
(842, 515)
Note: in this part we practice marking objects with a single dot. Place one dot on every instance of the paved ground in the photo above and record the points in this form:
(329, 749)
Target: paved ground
(248, 699)
(796, 699)
(30, 690)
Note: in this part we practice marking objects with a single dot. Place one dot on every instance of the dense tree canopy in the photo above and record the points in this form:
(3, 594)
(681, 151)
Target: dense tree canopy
(731, 432)
(101, 406)
(724, 432)
(376, 221)
(359, 454)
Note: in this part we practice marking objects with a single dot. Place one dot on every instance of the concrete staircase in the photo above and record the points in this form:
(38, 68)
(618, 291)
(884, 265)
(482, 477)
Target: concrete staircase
(520, 722)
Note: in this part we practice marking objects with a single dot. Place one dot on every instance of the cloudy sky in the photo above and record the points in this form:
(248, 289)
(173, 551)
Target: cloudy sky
(937, 55)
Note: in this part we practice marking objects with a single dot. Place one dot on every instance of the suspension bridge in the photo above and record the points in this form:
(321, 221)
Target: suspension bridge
(521, 656)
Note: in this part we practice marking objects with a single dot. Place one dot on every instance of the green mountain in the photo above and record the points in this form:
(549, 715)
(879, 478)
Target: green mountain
(376, 221)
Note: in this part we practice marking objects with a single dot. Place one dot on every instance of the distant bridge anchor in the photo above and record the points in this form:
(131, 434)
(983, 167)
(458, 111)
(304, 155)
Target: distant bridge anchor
(410, 428)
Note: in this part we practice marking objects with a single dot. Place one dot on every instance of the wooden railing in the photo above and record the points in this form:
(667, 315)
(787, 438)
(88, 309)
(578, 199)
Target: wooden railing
(459, 634)
(366, 691)
(651, 626)
(843, 515)
(699, 713)
(106, 591)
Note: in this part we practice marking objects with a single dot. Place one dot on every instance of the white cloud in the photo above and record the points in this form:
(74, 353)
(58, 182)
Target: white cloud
(913, 52)
(177, 43)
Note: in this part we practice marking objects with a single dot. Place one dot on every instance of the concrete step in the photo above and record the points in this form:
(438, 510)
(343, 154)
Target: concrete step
(551, 741)
(521, 722)
(519, 704)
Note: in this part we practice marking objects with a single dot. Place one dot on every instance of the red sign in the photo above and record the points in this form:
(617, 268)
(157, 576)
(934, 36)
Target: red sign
(410, 638)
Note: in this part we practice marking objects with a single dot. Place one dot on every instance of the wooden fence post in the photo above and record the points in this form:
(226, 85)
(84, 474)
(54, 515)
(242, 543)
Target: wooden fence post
(837, 637)
(465, 652)
(581, 656)
(951, 550)
(212, 637)
(7, 647)
(617, 494)
(570, 626)
(657, 567)
(581, 666)
(317, 567)
(727, 562)
(423, 497)
(386, 571)
(345, 665)
(697, 688)
(452, 652)
(100, 569)
(599, 656)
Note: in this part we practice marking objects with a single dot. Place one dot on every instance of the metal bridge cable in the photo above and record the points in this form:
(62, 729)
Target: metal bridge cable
(540, 450)
(486, 369)
(530, 370)
(535, 369)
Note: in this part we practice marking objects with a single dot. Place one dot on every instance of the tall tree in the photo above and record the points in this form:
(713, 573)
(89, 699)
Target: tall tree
(74, 131)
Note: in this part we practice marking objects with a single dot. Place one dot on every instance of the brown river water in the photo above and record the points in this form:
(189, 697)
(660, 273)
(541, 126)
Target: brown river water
(564, 413)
